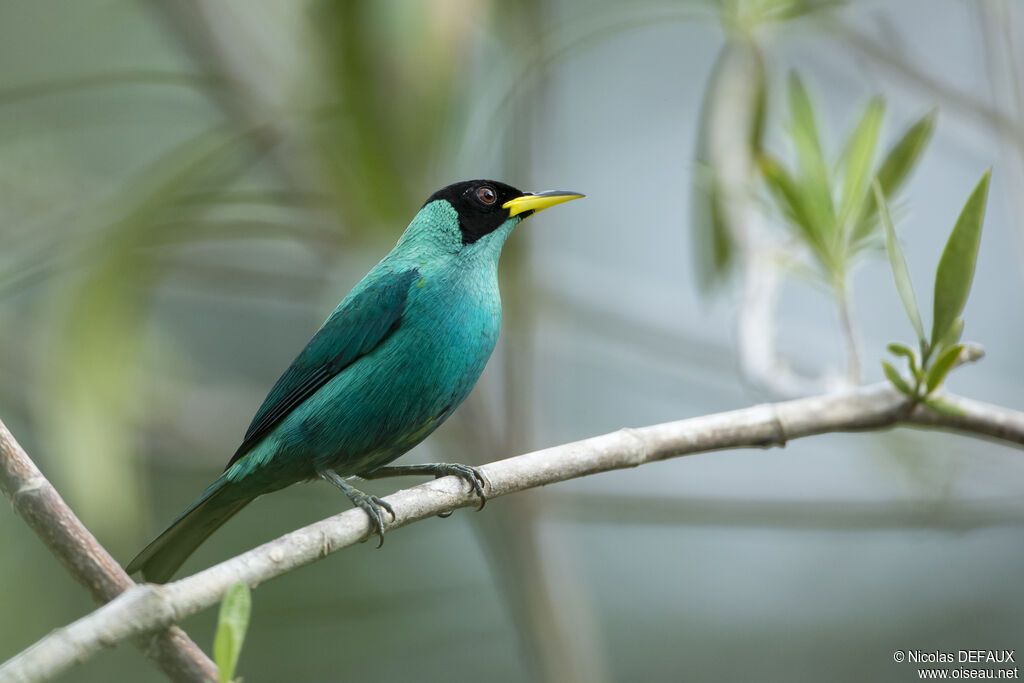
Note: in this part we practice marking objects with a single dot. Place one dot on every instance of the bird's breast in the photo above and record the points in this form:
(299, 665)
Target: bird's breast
(454, 322)
(395, 396)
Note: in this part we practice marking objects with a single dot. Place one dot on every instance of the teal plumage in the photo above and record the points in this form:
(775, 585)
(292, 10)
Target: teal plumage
(387, 367)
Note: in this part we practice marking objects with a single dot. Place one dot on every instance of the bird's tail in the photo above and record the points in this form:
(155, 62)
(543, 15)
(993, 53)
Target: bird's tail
(160, 559)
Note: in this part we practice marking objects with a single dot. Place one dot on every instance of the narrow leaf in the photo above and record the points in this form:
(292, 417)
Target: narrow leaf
(231, 626)
(895, 169)
(956, 267)
(860, 152)
(952, 337)
(714, 247)
(942, 365)
(904, 155)
(791, 202)
(793, 10)
(899, 264)
(902, 350)
(760, 81)
(814, 176)
(897, 349)
(897, 381)
(941, 405)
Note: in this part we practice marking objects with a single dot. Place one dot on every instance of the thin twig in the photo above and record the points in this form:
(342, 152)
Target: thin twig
(247, 96)
(996, 22)
(953, 99)
(42, 508)
(850, 334)
(149, 607)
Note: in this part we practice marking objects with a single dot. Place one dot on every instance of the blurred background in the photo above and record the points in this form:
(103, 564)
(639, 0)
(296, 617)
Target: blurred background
(187, 189)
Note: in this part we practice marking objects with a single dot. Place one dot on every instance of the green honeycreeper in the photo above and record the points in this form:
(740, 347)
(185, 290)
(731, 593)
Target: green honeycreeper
(388, 366)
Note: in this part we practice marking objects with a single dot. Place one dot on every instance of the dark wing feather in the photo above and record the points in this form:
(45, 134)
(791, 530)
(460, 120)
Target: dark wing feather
(351, 332)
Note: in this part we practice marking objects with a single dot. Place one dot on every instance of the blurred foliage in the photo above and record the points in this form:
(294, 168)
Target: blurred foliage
(829, 206)
(92, 382)
(392, 79)
(838, 219)
(741, 57)
(826, 204)
(715, 245)
(748, 16)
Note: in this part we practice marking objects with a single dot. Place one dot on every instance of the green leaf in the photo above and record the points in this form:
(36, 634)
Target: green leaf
(814, 177)
(899, 264)
(791, 202)
(714, 247)
(943, 406)
(902, 350)
(759, 80)
(941, 367)
(956, 267)
(859, 153)
(904, 155)
(952, 337)
(897, 380)
(231, 627)
(795, 9)
(895, 169)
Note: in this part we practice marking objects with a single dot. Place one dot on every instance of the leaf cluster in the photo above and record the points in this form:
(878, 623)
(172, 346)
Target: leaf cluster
(831, 208)
(745, 16)
(937, 354)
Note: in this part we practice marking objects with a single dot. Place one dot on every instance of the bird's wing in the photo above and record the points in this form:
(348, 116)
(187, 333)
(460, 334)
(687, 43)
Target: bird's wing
(352, 331)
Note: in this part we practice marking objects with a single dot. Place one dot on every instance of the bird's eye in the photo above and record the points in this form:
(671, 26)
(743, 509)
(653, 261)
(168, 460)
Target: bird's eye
(486, 194)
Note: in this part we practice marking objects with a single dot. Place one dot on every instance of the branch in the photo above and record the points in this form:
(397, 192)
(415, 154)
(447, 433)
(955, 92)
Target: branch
(967, 104)
(149, 607)
(42, 508)
(246, 94)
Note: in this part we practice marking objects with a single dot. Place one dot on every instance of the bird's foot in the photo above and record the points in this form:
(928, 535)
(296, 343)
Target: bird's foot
(371, 505)
(473, 475)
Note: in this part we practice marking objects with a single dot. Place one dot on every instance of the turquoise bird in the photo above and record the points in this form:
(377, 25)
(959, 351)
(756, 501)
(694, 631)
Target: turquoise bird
(388, 366)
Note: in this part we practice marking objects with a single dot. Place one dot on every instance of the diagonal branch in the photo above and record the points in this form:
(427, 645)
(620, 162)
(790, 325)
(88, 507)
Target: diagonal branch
(150, 607)
(42, 508)
(962, 102)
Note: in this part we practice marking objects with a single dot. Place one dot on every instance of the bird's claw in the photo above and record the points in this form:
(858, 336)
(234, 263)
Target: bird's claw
(372, 505)
(476, 478)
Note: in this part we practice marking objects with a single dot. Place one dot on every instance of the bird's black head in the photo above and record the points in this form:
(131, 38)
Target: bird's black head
(479, 204)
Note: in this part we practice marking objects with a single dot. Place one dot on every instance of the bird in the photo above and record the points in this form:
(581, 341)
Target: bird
(388, 366)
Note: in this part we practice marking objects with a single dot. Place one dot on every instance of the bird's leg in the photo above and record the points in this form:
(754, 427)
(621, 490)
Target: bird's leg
(474, 476)
(371, 505)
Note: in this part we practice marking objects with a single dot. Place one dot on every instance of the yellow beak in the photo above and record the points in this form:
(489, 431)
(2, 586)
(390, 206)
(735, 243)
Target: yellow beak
(534, 202)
